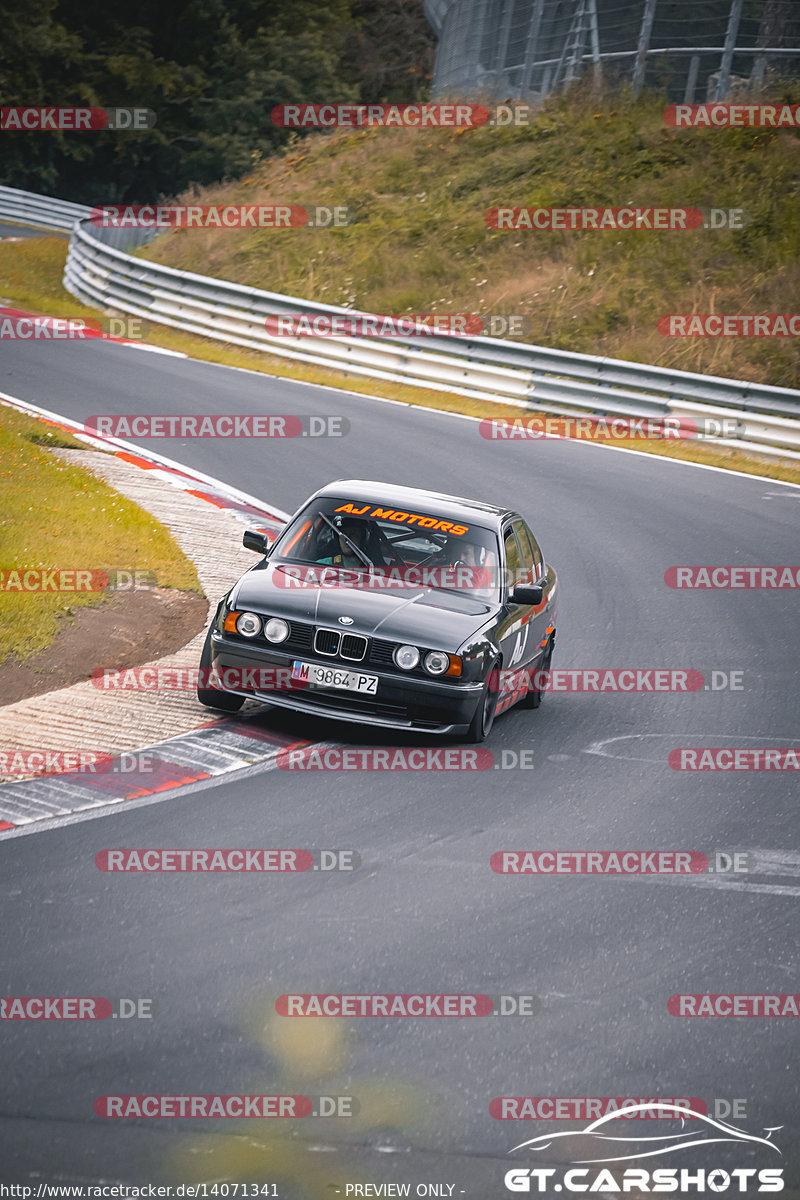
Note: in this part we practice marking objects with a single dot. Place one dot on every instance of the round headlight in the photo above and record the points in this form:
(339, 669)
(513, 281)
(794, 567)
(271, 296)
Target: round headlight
(248, 624)
(437, 662)
(406, 657)
(276, 630)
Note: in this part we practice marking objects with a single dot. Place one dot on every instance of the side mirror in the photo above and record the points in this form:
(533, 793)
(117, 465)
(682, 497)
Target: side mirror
(253, 540)
(527, 593)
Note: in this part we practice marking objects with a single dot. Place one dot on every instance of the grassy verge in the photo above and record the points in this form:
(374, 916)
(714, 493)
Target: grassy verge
(56, 515)
(30, 277)
(419, 241)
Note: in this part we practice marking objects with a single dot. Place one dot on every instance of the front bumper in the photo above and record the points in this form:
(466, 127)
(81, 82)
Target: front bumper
(422, 705)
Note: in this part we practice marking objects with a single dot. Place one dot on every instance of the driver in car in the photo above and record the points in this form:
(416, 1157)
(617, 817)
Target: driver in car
(355, 532)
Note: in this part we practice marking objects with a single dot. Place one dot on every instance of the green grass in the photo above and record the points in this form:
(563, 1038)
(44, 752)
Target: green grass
(58, 515)
(420, 242)
(30, 271)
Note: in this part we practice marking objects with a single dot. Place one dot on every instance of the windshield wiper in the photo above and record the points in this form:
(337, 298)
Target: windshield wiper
(368, 563)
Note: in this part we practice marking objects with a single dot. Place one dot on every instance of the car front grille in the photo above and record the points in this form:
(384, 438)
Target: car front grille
(353, 647)
(326, 641)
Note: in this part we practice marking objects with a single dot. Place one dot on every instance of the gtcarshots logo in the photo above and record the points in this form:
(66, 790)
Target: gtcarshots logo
(600, 1142)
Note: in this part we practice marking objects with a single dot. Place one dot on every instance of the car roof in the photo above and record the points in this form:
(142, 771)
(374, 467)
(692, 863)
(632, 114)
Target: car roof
(400, 497)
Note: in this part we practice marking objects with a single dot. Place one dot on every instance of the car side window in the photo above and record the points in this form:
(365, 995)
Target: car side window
(538, 558)
(513, 565)
(528, 574)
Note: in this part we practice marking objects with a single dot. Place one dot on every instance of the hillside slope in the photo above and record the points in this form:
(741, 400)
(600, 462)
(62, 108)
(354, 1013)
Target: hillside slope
(420, 242)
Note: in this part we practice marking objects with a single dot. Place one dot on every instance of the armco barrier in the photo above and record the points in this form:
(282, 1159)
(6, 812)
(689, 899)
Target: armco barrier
(43, 212)
(100, 273)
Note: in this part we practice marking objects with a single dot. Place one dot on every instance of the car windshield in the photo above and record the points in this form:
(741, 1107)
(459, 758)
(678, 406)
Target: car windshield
(377, 545)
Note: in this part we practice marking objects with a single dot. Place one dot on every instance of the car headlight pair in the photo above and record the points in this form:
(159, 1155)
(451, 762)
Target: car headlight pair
(435, 662)
(249, 625)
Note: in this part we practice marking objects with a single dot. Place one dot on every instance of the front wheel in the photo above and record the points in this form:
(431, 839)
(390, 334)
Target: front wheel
(211, 697)
(481, 724)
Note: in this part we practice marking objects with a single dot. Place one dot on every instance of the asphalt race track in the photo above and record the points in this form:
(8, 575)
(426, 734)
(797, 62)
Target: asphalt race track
(424, 912)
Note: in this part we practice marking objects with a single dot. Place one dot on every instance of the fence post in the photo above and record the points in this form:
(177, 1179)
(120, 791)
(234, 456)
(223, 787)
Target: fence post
(724, 80)
(531, 44)
(595, 32)
(648, 17)
(691, 81)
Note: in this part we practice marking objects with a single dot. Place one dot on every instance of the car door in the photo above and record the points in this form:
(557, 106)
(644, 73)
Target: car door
(517, 630)
(545, 618)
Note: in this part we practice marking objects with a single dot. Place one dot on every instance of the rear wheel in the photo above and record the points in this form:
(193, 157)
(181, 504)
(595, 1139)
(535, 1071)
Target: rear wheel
(212, 697)
(481, 724)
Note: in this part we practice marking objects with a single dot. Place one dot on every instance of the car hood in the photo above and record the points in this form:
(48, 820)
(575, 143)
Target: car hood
(424, 616)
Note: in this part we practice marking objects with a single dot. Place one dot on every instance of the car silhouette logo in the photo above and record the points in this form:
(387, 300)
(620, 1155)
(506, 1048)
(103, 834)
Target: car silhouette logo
(678, 1141)
(345, 620)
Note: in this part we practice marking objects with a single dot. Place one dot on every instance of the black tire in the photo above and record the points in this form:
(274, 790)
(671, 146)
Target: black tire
(212, 697)
(535, 695)
(481, 724)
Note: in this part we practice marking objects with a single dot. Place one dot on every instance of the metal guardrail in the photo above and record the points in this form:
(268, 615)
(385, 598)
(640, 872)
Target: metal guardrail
(42, 212)
(529, 377)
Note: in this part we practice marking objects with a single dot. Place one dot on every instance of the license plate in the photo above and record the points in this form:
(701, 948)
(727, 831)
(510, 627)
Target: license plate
(334, 677)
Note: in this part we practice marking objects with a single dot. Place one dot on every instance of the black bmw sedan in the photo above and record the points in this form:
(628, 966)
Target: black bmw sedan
(389, 606)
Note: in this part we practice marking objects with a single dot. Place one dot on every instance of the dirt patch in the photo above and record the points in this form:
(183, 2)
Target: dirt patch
(125, 631)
